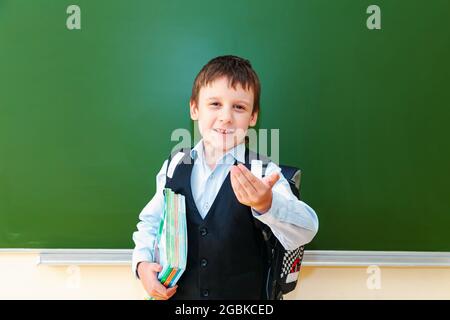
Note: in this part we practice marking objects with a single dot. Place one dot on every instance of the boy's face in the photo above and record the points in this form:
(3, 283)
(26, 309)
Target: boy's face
(224, 114)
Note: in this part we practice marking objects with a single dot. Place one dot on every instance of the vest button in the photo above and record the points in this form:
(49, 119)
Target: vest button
(205, 293)
(203, 231)
(204, 263)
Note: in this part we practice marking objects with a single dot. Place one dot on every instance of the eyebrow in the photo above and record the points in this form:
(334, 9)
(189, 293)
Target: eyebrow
(213, 98)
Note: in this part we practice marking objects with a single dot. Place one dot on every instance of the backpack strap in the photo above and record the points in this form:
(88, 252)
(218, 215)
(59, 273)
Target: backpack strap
(179, 155)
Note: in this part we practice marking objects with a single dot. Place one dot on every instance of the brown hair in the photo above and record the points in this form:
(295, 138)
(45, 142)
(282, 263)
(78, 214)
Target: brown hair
(236, 69)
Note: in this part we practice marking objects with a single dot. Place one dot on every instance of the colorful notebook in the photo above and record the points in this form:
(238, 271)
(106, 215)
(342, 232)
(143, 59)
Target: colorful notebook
(171, 242)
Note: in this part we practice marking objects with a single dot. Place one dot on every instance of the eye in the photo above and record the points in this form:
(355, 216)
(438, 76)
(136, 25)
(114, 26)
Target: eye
(239, 107)
(215, 104)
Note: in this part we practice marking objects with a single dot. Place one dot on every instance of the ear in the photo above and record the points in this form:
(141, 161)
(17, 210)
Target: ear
(253, 119)
(193, 110)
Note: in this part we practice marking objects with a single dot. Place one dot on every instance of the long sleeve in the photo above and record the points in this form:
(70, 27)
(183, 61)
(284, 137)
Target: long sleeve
(292, 221)
(149, 217)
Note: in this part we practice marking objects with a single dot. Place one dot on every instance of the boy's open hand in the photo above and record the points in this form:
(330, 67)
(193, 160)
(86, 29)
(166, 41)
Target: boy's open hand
(250, 190)
(148, 273)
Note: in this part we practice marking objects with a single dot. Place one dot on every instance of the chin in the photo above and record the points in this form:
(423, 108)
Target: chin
(224, 144)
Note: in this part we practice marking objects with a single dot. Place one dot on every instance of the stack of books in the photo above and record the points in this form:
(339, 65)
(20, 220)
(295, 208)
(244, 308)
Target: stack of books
(171, 243)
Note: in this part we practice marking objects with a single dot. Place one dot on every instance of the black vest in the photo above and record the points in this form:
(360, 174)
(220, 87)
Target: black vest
(226, 256)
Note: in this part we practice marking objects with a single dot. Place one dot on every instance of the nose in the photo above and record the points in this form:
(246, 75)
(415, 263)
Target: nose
(225, 114)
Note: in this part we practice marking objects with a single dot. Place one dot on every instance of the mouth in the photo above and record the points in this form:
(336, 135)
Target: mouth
(224, 131)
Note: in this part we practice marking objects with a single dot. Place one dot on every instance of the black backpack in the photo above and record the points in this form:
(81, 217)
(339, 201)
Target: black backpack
(283, 265)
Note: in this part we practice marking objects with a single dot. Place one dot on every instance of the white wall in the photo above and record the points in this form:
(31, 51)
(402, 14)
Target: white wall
(22, 278)
(357, 283)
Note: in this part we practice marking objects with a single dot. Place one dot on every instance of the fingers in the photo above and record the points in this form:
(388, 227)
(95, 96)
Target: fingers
(254, 180)
(239, 190)
(272, 179)
(251, 183)
(250, 190)
(171, 291)
(155, 267)
(157, 296)
(160, 288)
(248, 181)
(163, 293)
(155, 288)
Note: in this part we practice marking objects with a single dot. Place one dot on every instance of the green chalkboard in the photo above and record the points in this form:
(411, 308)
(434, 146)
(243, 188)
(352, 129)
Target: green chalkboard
(86, 115)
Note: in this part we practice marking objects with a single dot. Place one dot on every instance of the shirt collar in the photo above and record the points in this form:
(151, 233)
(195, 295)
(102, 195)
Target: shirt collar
(235, 153)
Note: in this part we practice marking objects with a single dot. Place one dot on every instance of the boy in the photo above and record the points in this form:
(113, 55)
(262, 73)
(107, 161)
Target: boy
(226, 253)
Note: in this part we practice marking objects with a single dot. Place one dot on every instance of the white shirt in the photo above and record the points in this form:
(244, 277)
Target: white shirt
(292, 221)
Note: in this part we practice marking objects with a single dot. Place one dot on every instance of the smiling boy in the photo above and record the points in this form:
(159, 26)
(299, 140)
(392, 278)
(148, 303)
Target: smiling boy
(226, 251)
